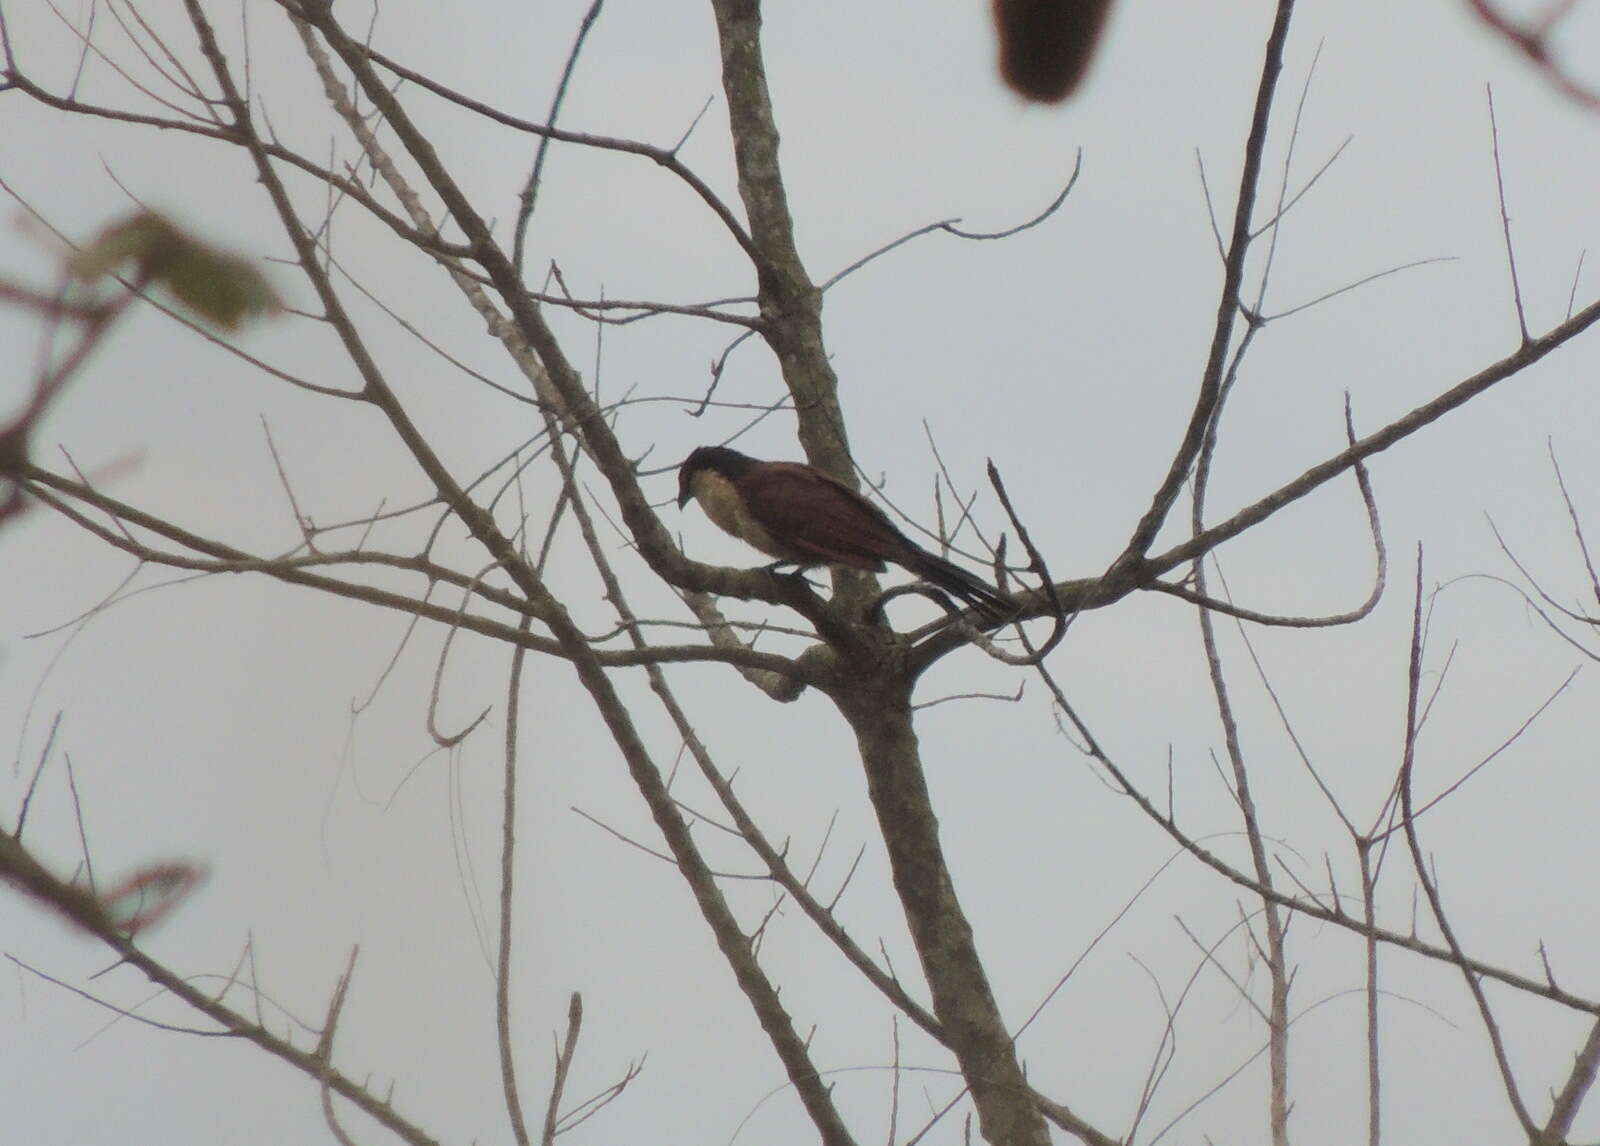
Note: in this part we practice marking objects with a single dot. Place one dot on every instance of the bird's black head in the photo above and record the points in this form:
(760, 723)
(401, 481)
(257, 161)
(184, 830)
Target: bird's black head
(718, 459)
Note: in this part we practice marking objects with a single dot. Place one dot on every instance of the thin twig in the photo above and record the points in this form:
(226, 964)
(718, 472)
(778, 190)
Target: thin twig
(530, 192)
(563, 1065)
(508, 843)
(1505, 219)
(1429, 884)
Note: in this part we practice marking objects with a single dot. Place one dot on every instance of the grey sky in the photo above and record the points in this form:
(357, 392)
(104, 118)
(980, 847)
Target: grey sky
(212, 720)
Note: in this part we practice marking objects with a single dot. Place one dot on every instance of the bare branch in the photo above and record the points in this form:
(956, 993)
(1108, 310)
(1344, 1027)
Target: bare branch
(530, 192)
(1565, 1107)
(1227, 308)
(1380, 440)
(563, 1065)
(1429, 884)
(1534, 40)
(508, 843)
(1505, 220)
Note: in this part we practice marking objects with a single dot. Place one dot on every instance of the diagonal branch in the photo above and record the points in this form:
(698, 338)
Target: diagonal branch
(1430, 885)
(1378, 441)
(1211, 383)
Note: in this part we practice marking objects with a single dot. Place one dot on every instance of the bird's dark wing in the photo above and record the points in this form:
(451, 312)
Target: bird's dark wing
(816, 518)
(819, 518)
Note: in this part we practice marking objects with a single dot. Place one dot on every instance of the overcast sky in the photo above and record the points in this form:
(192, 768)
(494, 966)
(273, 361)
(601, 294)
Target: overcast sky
(241, 723)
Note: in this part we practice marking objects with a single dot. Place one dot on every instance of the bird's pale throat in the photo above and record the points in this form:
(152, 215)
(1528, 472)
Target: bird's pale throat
(723, 505)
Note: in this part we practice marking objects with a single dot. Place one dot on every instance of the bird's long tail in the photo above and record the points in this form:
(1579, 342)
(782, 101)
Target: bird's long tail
(967, 587)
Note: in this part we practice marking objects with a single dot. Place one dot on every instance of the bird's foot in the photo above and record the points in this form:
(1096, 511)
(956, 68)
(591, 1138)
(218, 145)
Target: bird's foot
(793, 571)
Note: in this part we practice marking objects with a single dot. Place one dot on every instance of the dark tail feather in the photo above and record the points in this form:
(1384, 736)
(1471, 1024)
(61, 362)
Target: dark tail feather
(956, 581)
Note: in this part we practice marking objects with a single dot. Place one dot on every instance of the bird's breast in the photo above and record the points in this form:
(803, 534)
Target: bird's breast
(723, 504)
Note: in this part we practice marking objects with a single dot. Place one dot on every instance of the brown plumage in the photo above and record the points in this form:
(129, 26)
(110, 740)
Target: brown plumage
(1046, 45)
(799, 514)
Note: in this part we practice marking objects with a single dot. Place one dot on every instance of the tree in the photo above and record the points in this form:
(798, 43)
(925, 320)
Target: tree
(505, 503)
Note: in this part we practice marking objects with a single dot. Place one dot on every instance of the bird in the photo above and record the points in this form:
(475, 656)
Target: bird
(1046, 45)
(801, 515)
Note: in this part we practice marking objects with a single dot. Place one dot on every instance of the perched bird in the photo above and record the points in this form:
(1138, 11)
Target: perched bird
(799, 514)
(1046, 45)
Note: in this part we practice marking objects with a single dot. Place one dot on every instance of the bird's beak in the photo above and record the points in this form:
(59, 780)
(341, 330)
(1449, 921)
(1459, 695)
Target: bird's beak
(684, 494)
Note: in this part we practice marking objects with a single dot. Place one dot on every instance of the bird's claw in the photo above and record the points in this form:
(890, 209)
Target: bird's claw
(792, 571)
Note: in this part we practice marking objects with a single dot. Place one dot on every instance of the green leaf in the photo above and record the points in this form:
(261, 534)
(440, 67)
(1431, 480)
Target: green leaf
(221, 288)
